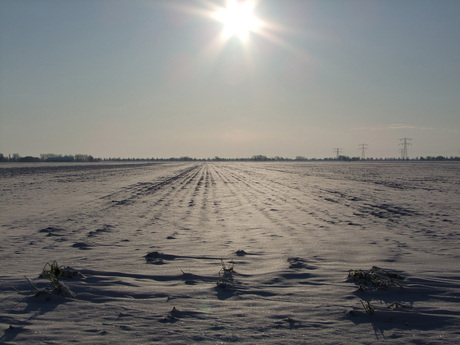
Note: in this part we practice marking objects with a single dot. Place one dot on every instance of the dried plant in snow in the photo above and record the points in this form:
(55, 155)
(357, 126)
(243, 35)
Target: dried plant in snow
(225, 280)
(375, 278)
(54, 272)
(367, 307)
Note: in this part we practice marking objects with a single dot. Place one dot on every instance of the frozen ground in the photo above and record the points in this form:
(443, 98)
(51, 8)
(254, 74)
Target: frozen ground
(147, 241)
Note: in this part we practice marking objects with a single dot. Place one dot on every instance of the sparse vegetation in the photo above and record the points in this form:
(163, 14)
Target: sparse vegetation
(225, 280)
(54, 272)
(375, 278)
(367, 307)
(396, 305)
(225, 268)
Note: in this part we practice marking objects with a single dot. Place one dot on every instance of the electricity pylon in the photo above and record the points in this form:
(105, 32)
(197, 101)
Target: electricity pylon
(338, 150)
(363, 148)
(405, 142)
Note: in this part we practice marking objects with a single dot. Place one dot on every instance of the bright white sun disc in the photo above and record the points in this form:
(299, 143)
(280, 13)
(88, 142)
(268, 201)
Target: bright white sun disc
(238, 19)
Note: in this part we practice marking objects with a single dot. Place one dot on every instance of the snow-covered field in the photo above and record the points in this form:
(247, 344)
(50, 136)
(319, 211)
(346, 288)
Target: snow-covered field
(147, 242)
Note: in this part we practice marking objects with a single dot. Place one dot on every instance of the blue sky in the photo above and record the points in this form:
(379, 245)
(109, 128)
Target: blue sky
(152, 78)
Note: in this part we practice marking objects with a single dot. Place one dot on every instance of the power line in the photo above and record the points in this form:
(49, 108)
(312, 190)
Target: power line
(338, 150)
(405, 142)
(363, 148)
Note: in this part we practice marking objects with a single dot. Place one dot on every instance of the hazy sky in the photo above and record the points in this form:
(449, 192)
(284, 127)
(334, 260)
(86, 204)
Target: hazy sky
(151, 78)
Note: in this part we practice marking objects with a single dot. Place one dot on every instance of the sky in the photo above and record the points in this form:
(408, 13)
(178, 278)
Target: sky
(156, 78)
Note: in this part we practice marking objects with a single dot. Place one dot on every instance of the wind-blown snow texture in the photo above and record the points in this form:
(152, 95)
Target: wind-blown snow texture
(147, 242)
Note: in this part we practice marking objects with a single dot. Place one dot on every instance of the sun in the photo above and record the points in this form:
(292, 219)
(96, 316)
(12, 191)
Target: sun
(238, 19)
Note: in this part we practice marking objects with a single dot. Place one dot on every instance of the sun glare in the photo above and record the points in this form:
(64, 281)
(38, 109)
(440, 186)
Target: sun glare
(238, 19)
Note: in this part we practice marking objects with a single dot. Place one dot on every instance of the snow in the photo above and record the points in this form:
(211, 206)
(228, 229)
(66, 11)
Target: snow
(217, 252)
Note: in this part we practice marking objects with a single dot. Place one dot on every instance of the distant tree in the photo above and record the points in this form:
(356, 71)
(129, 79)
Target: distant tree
(29, 159)
(259, 158)
(51, 157)
(48, 156)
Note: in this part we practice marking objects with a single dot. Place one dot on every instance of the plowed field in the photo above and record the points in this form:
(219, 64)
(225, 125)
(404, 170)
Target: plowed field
(231, 252)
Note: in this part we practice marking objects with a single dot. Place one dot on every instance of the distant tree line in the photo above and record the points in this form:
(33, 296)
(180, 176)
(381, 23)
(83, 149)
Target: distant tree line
(51, 157)
(48, 157)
